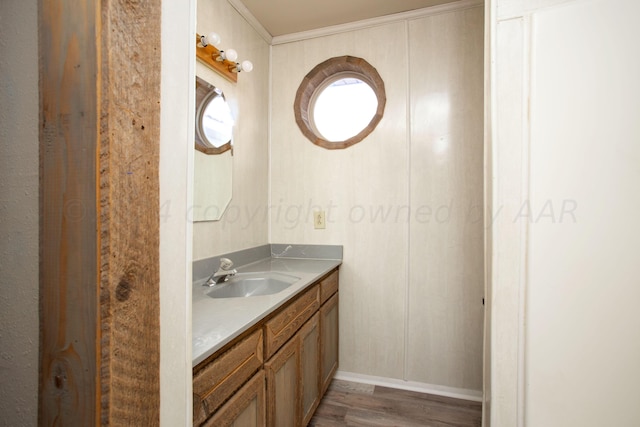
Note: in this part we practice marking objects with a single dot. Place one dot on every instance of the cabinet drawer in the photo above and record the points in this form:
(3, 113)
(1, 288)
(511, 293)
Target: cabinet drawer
(328, 286)
(284, 325)
(247, 407)
(218, 380)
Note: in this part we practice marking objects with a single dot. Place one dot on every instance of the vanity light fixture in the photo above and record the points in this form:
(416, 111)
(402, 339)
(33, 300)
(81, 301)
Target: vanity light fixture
(222, 61)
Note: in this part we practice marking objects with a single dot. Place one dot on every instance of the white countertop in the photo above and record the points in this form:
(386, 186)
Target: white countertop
(217, 321)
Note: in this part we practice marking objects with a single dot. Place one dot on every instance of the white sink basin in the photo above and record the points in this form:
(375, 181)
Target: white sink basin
(244, 285)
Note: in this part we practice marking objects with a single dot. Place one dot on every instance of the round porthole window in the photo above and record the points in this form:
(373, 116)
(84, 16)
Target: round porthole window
(214, 122)
(340, 102)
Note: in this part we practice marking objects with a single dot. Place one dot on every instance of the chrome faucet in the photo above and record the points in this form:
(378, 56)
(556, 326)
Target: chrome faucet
(222, 274)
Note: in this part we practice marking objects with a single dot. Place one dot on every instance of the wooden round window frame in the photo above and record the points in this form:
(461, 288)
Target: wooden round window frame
(315, 80)
(204, 93)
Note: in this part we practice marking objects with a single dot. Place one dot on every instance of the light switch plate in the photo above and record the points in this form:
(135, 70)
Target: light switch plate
(318, 220)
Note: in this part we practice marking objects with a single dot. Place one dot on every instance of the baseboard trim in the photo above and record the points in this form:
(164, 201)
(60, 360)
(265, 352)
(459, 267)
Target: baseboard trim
(458, 393)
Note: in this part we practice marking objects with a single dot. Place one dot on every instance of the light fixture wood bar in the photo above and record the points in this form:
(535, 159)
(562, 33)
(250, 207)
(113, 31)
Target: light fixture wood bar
(207, 55)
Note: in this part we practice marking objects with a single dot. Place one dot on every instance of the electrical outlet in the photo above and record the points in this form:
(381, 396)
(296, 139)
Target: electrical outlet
(318, 220)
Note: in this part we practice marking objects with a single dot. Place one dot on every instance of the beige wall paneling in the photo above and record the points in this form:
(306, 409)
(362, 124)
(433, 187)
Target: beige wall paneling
(509, 9)
(19, 212)
(508, 236)
(447, 246)
(489, 11)
(582, 317)
(351, 185)
(574, 263)
(176, 179)
(244, 224)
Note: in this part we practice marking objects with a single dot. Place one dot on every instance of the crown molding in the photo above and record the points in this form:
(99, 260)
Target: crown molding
(239, 6)
(251, 20)
(374, 22)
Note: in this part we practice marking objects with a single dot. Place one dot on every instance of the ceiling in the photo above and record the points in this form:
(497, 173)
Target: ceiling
(280, 17)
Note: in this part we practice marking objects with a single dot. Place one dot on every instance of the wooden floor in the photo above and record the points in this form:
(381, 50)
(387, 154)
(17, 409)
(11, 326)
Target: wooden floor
(354, 404)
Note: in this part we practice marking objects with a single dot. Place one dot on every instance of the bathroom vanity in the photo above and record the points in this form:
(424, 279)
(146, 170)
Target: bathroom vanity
(267, 359)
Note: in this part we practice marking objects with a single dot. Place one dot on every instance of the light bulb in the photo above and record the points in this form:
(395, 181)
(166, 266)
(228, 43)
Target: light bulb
(213, 38)
(246, 66)
(230, 55)
(210, 39)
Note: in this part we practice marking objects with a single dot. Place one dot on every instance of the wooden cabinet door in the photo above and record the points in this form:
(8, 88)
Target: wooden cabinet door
(328, 341)
(283, 386)
(245, 409)
(309, 338)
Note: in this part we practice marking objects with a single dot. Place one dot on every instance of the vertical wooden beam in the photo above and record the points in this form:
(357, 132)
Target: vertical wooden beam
(129, 200)
(68, 214)
(99, 227)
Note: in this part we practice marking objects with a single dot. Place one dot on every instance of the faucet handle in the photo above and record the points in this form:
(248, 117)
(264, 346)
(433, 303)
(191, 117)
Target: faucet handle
(225, 263)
